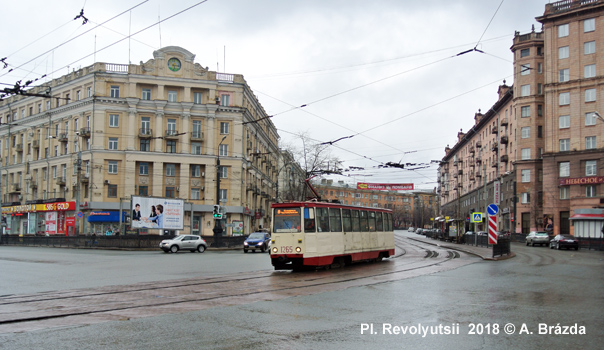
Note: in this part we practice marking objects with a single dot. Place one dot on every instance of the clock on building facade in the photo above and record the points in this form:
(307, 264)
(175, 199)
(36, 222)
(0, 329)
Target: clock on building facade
(174, 64)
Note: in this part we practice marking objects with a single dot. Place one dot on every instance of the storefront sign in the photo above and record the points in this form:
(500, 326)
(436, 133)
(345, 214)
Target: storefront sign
(33, 208)
(582, 181)
(384, 187)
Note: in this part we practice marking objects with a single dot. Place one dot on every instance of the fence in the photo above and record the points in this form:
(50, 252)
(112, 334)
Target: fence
(112, 242)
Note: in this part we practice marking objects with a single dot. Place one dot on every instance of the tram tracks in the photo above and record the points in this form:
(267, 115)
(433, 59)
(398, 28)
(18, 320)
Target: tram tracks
(44, 310)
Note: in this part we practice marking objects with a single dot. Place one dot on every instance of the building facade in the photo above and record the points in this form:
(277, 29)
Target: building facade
(157, 129)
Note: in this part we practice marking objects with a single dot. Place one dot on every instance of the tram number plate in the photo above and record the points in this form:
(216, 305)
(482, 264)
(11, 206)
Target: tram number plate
(287, 249)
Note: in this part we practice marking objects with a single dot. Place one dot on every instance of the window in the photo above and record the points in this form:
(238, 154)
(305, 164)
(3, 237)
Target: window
(224, 128)
(526, 175)
(223, 151)
(196, 171)
(115, 91)
(590, 95)
(112, 191)
(564, 169)
(195, 193)
(526, 132)
(56, 151)
(113, 143)
(197, 98)
(590, 118)
(145, 145)
(525, 90)
(525, 198)
(525, 52)
(564, 192)
(196, 148)
(89, 91)
(564, 98)
(78, 95)
(590, 142)
(224, 172)
(540, 110)
(171, 127)
(54, 172)
(196, 133)
(146, 94)
(39, 108)
(223, 195)
(112, 168)
(172, 96)
(564, 121)
(564, 145)
(525, 153)
(525, 69)
(225, 100)
(563, 52)
(525, 111)
(589, 71)
(170, 169)
(539, 68)
(589, 25)
(563, 75)
(562, 30)
(539, 89)
(589, 47)
(591, 168)
(539, 131)
(143, 190)
(590, 191)
(171, 146)
(114, 120)
(170, 192)
(143, 168)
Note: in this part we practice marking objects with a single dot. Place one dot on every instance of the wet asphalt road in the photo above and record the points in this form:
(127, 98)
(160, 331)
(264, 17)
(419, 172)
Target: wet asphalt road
(539, 286)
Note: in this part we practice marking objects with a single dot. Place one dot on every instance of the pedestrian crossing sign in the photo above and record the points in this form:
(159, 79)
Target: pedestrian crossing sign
(476, 217)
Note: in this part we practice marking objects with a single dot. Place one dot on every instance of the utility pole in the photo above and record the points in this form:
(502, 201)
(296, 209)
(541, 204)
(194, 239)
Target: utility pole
(78, 189)
(217, 222)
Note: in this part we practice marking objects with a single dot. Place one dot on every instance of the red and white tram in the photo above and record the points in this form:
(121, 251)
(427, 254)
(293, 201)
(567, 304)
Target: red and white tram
(314, 234)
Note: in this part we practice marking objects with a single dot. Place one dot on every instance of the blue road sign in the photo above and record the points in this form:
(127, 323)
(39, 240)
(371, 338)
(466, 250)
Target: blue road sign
(476, 217)
(80, 214)
(493, 209)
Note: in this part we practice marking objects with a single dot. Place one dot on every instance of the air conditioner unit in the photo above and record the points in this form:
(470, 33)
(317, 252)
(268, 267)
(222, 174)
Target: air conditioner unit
(107, 182)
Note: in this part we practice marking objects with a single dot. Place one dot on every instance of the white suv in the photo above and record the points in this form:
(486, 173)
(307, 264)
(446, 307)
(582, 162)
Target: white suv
(185, 242)
(411, 229)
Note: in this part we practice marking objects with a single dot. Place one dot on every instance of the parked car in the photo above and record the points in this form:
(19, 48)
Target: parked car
(184, 242)
(537, 237)
(564, 241)
(411, 229)
(257, 240)
(419, 231)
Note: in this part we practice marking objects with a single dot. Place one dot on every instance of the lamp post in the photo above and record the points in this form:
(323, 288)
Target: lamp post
(217, 227)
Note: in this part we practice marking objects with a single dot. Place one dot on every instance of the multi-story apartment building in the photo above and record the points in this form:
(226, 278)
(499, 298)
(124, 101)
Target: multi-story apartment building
(573, 159)
(549, 136)
(110, 131)
(415, 208)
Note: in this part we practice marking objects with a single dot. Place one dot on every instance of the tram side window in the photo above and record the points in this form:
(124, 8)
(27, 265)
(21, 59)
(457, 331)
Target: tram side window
(322, 218)
(372, 221)
(309, 220)
(356, 221)
(388, 217)
(379, 223)
(335, 220)
(364, 222)
(346, 220)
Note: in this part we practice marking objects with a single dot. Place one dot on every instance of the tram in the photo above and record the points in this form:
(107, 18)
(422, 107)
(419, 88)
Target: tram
(315, 234)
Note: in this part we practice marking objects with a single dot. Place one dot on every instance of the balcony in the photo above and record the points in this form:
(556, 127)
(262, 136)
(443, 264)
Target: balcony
(494, 130)
(504, 122)
(495, 147)
(15, 188)
(33, 185)
(495, 165)
(85, 132)
(472, 178)
(19, 147)
(60, 181)
(478, 160)
(197, 136)
(62, 137)
(504, 158)
(478, 144)
(85, 178)
(460, 172)
(35, 144)
(472, 150)
(478, 175)
(171, 135)
(504, 140)
(145, 133)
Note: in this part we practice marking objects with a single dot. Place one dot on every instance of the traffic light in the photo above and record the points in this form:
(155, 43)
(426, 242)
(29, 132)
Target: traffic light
(217, 213)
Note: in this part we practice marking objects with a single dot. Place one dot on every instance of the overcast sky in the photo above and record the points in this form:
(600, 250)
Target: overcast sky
(386, 69)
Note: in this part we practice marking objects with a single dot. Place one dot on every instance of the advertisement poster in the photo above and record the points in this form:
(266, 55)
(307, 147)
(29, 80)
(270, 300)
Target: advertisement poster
(237, 228)
(156, 212)
(51, 223)
(384, 187)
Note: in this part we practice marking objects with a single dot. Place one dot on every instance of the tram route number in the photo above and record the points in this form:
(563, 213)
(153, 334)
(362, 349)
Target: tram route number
(286, 249)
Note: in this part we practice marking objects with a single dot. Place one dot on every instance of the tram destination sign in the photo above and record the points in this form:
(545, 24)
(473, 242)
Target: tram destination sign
(384, 187)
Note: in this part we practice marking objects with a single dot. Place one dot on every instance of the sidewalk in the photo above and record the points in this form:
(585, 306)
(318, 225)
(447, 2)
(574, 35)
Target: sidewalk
(481, 252)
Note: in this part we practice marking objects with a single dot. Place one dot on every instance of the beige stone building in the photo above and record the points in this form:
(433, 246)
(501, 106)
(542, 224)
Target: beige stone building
(111, 131)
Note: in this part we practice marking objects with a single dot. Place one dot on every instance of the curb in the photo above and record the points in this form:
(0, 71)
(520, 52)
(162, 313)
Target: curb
(498, 258)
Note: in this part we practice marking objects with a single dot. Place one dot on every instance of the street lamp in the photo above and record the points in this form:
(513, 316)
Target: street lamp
(217, 227)
(598, 116)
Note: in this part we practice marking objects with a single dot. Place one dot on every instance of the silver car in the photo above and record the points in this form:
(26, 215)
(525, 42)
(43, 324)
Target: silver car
(184, 242)
(537, 237)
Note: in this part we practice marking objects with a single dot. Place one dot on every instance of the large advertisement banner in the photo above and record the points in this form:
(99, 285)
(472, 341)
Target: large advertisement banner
(384, 187)
(155, 212)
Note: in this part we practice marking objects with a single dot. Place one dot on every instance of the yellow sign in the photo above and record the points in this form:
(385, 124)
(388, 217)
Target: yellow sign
(431, 219)
(446, 218)
(476, 217)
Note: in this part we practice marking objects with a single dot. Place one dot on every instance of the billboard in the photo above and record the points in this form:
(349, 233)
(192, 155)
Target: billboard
(156, 212)
(384, 187)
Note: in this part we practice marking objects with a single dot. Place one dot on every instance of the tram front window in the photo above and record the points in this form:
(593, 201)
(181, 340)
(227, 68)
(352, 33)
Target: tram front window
(287, 220)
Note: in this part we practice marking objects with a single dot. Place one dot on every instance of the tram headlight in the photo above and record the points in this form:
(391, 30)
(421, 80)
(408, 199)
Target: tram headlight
(298, 249)
(275, 249)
